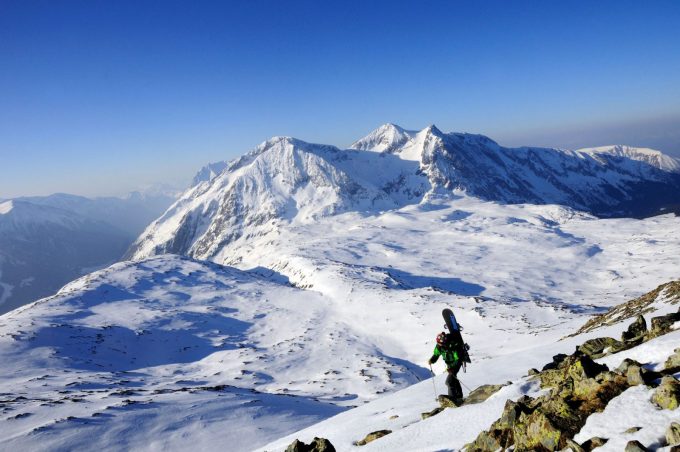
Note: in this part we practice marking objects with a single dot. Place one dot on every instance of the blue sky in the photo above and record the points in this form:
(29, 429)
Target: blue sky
(102, 97)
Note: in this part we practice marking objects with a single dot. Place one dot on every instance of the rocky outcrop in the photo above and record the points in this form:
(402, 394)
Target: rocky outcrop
(578, 387)
(317, 445)
(595, 348)
(635, 446)
(668, 293)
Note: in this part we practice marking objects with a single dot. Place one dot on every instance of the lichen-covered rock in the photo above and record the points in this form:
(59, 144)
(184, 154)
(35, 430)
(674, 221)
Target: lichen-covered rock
(667, 395)
(635, 446)
(447, 402)
(594, 443)
(537, 432)
(635, 330)
(574, 446)
(318, 445)
(673, 361)
(673, 434)
(531, 372)
(632, 430)
(434, 412)
(662, 325)
(625, 364)
(595, 348)
(372, 437)
(634, 375)
(482, 393)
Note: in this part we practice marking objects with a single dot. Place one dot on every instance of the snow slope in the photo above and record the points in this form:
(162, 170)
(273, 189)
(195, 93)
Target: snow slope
(320, 316)
(454, 428)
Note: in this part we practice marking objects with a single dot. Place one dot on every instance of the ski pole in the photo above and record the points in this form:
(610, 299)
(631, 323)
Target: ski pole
(461, 382)
(434, 386)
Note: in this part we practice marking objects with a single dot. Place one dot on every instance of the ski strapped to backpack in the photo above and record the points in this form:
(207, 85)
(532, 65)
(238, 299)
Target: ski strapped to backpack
(454, 330)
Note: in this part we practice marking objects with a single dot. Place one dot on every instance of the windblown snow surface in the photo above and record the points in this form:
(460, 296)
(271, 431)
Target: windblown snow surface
(320, 287)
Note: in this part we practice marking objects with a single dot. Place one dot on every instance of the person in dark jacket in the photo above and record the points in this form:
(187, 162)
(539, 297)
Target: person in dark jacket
(446, 349)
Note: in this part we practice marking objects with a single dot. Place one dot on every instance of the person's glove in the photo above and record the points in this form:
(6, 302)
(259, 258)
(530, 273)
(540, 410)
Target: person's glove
(430, 361)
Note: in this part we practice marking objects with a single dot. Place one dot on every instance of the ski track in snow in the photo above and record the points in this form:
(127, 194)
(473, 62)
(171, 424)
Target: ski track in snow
(307, 321)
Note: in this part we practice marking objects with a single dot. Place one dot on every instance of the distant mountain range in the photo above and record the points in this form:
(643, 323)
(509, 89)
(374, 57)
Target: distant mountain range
(288, 180)
(45, 242)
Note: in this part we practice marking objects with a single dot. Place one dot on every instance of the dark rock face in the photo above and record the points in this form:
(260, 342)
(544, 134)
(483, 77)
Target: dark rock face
(662, 325)
(318, 445)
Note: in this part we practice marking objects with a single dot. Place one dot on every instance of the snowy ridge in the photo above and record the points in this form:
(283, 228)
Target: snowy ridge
(288, 181)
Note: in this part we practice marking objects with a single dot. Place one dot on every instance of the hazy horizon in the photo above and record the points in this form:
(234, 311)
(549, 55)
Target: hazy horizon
(103, 99)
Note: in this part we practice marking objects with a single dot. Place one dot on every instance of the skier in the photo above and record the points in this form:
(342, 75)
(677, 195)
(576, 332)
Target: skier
(446, 348)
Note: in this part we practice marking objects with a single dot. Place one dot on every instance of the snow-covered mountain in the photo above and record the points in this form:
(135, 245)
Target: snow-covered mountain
(285, 180)
(320, 316)
(45, 242)
(311, 280)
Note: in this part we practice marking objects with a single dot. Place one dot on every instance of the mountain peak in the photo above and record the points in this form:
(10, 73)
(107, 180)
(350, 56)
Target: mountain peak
(386, 138)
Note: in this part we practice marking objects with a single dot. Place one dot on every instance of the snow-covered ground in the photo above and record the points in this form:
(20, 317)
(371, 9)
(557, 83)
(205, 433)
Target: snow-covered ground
(310, 320)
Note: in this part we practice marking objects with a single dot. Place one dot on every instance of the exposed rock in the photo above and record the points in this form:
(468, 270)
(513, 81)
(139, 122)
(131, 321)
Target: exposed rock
(318, 445)
(667, 395)
(447, 402)
(635, 446)
(537, 432)
(579, 387)
(633, 430)
(394, 416)
(482, 393)
(557, 360)
(673, 361)
(594, 443)
(673, 434)
(625, 364)
(574, 446)
(595, 348)
(431, 413)
(532, 372)
(634, 375)
(635, 330)
(641, 305)
(662, 325)
(372, 437)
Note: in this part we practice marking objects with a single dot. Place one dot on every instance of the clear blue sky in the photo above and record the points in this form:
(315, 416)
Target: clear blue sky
(102, 97)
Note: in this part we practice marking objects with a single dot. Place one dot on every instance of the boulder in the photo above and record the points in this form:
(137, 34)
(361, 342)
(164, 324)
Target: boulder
(635, 330)
(481, 394)
(662, 325)
(634, 375)
(667, 395)
(434, 412)
(633, 430)
(556, 361)
(574, 446)
(447, 402)
(318, 445)
(625, 364)
(595, 348)
(673, 361)
(673, 434)
(635, 446)
(532, 372)
(537, 432)
(594, 443)
(372, 437)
